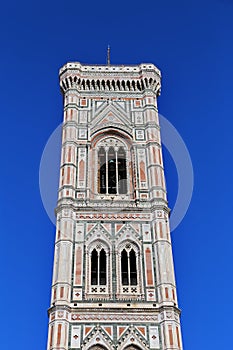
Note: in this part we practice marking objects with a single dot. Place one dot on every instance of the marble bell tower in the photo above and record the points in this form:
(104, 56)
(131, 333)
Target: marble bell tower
(113, 282)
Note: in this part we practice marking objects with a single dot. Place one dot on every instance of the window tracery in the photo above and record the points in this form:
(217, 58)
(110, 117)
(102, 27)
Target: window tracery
(112, 167)
(129, 267)
(98, 278)
(98, 267)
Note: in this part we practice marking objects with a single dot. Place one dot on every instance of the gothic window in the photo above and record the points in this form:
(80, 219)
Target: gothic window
(122, 176)
(98, 267)
(94, 267)
(133, 269)
(102, 171)
(102, 269)
(128, 268)
(124, 268)
(112, 173)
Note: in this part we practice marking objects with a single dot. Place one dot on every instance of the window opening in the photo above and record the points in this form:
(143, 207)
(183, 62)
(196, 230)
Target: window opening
(112, 174)
(112, 188)
(133, 269)
(102, 171)
(122, 171)
(128, 268)
(94, 267)
(102, 267)
(124, 268)
(98, 267)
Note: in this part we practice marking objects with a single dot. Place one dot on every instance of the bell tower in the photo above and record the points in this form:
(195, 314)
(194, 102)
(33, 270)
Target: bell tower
(113, 282)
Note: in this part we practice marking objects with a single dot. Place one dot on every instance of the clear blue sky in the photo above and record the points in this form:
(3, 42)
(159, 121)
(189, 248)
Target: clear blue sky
(191, 42)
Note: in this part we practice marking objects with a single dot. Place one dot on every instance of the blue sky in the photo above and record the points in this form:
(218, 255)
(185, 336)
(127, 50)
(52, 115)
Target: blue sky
(191, 42)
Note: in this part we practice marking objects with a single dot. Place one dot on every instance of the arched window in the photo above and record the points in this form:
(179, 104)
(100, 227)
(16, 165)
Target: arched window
(122, 175)
(133, 269)
(94, 267)
(102, 171)
(98, 267)
(112, 173)
(124, 268)
(128, 268)
(102, 270)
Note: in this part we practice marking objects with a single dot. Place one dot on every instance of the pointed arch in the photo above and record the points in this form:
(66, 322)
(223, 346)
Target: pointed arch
(129, 269)
(94, 267)
(102, 268)
(101, 170)
(133, 268)
(112, 167)
(98, 265)
(122, 173)
(124, 268)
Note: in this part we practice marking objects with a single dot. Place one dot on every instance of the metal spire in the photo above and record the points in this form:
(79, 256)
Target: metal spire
(108, 56)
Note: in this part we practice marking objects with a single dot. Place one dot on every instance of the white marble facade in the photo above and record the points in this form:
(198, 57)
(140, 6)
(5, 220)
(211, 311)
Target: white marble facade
(113, 279)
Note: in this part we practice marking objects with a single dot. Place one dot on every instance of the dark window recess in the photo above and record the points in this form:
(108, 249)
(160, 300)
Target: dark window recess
(133, 269)
(111, 171)
(94, 267)
(122, 176)
(112, 174)
(128, 268)
(124, 268)
(102, 171)
(98, 268)
(102, 279)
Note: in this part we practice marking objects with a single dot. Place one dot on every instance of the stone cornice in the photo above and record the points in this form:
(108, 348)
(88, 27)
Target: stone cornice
(110, 79)
(114, 69)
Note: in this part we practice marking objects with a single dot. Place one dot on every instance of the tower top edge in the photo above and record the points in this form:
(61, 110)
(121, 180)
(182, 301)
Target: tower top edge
(110, 68)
